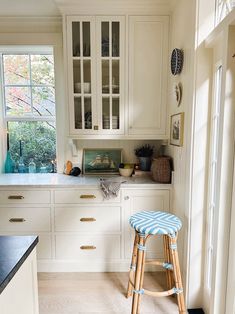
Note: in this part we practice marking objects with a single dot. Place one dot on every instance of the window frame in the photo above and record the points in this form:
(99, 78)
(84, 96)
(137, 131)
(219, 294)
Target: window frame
(24, 49)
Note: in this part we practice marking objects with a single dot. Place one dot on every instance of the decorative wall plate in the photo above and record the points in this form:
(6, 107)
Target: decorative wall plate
(177, 59)
(178, 92)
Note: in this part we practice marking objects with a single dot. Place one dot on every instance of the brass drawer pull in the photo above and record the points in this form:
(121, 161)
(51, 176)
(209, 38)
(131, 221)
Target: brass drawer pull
(15, 197)
(87, 196)
(87, 247)
(17, 220)
(88, 219)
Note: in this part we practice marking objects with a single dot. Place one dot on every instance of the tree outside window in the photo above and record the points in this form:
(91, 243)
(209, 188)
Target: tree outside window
(29, 108)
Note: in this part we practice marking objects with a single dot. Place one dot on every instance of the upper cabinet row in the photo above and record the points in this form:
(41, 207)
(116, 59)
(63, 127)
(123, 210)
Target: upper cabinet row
(117, 76)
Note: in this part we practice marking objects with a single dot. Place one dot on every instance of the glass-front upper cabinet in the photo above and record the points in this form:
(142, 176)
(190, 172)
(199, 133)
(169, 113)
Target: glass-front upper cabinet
(95, 74)
(110, 74)
(81, 74)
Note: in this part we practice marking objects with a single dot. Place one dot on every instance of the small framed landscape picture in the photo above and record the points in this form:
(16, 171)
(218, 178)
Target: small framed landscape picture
(101, 161)
(177, 129)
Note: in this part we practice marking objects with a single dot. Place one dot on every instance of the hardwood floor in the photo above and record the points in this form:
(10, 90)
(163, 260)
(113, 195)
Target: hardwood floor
(81, 293)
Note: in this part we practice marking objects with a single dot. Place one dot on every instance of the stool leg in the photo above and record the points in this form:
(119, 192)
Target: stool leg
(167, 260)
(133, 266)
(177, 274)
(142, 272)
(136, 294)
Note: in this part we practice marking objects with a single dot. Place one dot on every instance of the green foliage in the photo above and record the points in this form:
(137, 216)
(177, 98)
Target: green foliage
(38, 142)
(144, 151)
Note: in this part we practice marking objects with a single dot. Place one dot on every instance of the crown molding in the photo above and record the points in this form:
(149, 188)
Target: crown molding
(32, 24)
(103, 7)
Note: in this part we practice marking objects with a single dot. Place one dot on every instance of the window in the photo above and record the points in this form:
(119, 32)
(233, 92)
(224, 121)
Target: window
(213, 176)
(223, 7)
(28, 89)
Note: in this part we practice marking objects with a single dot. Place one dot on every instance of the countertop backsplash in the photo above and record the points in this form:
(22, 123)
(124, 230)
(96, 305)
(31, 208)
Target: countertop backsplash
(128, 147)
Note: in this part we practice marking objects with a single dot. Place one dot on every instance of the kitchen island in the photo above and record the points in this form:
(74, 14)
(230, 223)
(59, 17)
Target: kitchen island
(18, 275)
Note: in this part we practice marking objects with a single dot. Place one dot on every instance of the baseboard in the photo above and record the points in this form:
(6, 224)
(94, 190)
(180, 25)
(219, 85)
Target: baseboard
(196, 311)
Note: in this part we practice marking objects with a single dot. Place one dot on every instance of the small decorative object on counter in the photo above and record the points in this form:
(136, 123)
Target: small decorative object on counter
(9, 164)
(75, 171)
(161, 169)
(68, 167)
(144, 154)
(126, 170)
(32, 166)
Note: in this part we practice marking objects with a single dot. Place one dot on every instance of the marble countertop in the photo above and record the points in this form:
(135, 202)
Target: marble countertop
(13, 252)
(61, 180)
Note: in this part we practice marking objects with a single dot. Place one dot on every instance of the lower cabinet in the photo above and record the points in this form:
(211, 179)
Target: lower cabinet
(79, 231)
(21, 294)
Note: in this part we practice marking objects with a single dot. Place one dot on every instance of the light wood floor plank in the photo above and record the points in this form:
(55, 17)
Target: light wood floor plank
(93, 293)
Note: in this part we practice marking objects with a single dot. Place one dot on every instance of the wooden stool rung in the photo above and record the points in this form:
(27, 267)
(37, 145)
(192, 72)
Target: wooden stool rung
(167, 266)
(160, 293)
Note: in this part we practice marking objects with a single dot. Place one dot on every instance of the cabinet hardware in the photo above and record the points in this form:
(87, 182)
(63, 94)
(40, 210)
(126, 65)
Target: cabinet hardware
(15, 197)
(126, 198)
(87, 219)
(96, 127)
(87, 247)
(87, 196)
(17, 220)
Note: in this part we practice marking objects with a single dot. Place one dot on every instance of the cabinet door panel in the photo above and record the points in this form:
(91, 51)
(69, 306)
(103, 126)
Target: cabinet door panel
(148, 75)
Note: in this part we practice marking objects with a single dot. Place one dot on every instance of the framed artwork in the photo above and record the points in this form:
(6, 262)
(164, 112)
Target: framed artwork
(177, 129)
(101, 161)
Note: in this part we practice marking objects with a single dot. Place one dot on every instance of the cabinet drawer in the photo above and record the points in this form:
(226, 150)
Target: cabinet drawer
(87, 247)
(24, 197)
(88, 219)
(87, 196)
(25, 219)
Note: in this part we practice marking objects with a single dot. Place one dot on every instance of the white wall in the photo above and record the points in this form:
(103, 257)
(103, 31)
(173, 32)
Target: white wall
(182, 36)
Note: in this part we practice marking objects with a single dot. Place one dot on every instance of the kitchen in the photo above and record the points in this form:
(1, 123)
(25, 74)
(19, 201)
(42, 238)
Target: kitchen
(117, 87)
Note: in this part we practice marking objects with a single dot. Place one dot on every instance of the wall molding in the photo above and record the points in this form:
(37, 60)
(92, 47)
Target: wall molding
(103, 7)
(32, 24)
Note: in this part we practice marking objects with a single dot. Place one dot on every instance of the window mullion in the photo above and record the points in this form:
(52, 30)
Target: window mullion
(30, 86)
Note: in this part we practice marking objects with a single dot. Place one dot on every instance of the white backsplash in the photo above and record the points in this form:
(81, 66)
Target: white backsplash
(128, 147)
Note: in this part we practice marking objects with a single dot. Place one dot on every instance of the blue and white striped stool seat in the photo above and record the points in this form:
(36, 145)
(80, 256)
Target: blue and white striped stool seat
(155, 222)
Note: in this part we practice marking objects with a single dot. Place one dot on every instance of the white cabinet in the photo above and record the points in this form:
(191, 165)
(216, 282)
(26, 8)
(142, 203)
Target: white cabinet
(78, 230)
(137, 200)
(95, 58)
(148, 58)
(21, 294)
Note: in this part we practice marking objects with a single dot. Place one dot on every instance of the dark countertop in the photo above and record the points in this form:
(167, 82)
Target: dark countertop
(13, 252)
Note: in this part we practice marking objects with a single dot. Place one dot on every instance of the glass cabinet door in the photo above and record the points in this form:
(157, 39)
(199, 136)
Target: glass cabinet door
(110, 74)
(82, 82)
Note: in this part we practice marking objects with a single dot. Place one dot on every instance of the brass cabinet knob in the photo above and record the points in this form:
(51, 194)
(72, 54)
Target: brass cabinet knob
(87, 247)
(17, 220)
(88, 219)
(15, 197)
(89, 196)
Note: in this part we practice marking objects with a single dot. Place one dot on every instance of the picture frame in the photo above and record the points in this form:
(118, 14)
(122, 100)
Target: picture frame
(177, 129)
(101, 161)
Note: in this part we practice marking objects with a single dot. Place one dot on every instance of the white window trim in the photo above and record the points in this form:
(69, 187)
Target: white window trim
(22, 49)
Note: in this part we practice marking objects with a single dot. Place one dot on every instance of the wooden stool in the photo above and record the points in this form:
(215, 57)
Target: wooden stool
(147, 224)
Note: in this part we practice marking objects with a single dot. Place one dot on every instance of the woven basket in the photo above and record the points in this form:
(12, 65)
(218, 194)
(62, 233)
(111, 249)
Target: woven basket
(161, 169)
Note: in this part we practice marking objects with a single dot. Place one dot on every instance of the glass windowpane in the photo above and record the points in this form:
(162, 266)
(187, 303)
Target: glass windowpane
(16, 69)
(115, 113)
(105, 39)
(87, 113)
(37, 142)
(76, 38)
(78, 113)
(115, 76)
(17, 101)
(105, 77)
(42, 69)
(115, 39)
(43, 101)
(87, 76)
(77, 76)
(106, 113)
(86, 39)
